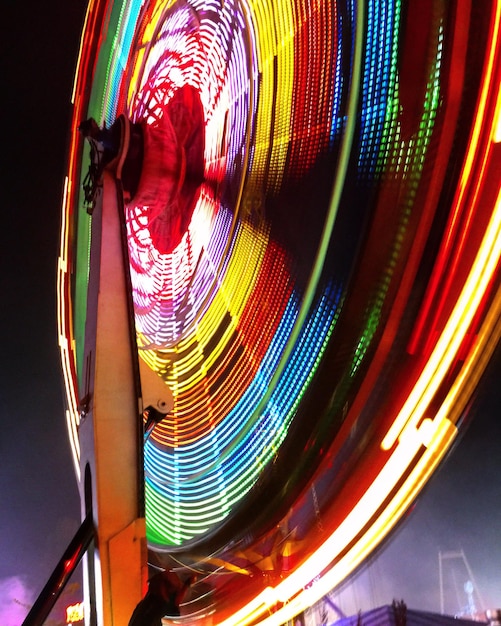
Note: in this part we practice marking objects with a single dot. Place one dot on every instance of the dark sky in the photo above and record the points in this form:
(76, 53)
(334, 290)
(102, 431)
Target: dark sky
(40, 507)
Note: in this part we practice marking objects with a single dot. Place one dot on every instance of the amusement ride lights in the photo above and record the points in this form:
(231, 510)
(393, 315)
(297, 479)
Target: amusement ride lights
(223, 318)
(212, 467)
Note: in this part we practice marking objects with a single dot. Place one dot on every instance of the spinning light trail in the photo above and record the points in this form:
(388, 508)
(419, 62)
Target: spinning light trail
(325, 302)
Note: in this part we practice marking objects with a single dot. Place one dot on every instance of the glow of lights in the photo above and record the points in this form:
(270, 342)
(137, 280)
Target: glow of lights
(75, 613)
(223, 317)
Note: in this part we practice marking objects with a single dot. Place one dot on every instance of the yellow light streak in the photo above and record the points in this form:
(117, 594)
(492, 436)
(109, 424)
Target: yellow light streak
(80, 50)
(65, 334)
(274, 25)
(486, 341)
(496, 135)
(446, 349)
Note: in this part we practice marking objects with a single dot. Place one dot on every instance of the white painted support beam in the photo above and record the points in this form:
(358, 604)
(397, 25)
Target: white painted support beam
(110, 433)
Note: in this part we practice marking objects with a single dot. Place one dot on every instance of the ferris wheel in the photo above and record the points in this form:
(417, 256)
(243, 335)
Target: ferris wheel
(311, 220)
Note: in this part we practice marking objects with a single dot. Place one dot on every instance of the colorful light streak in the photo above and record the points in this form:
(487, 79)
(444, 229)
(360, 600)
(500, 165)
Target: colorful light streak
(194, 374)
(223, 318)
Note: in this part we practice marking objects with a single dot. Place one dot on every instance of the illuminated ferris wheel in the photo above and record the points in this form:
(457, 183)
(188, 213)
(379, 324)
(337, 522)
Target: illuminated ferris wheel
(305, 221)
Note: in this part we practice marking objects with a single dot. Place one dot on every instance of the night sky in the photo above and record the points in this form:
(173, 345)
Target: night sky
(40, 507)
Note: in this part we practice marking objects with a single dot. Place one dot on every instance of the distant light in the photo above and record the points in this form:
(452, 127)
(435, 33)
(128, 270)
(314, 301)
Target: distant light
(75, 613)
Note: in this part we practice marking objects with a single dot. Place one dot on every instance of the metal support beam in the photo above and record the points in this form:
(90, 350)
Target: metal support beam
(111, 431)
(61, 574)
